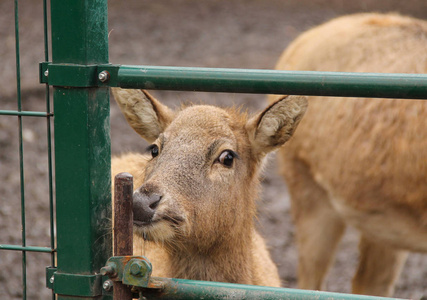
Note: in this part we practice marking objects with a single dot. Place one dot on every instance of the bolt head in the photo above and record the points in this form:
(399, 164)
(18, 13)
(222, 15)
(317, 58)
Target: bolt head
(46, 73)
(52, 279)
(138, 268)
(107, 285)
(103, 76)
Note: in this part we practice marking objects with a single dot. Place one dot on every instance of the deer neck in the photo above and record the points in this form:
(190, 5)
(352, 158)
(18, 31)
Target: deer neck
(226, 261)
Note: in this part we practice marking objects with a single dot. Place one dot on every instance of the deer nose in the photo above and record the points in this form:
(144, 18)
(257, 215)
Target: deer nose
(144, 207)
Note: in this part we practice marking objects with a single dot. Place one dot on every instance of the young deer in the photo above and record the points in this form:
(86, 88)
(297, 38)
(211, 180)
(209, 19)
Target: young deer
(195, 201)
(359, 162)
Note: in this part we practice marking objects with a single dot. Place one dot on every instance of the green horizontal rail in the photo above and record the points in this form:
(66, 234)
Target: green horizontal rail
(25, 113)
(376, 85)
(26, 248)
(372, 85)
(192, 289)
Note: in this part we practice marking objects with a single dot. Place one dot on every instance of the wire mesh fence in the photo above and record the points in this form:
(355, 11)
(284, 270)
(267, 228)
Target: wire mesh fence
(29, 124)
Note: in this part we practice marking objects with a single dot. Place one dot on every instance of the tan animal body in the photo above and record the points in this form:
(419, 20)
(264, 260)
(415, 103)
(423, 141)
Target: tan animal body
(359, 162)
(196, 189)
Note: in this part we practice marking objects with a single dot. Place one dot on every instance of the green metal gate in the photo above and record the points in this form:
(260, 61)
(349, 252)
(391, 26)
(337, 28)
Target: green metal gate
(80, 74)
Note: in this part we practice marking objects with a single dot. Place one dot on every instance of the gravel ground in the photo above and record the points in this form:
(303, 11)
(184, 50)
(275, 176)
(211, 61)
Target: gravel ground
(210, 33)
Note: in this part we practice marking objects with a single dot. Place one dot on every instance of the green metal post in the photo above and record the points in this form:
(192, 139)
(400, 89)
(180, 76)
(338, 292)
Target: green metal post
(82, 152)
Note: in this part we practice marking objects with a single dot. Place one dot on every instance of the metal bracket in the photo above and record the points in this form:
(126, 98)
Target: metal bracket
(76, 284)
(131, 270)
(79, 76)
(50, 277)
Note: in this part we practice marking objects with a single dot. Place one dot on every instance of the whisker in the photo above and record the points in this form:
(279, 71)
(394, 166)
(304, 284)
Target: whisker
(175, 220)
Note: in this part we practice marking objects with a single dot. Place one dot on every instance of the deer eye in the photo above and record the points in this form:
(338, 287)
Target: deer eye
(226, 158)
(154, 150)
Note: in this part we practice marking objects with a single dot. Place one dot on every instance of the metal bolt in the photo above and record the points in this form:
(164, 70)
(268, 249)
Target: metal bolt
(107, 285)
(109, 269)
(137, 268)
(52, 279)
(46, 73)
(103, 76)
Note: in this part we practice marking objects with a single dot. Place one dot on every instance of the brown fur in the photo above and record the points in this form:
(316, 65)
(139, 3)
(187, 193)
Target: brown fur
(203, 226)
(359, 162)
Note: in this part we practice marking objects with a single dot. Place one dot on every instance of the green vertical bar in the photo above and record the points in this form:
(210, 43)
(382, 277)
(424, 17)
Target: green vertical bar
(21, 153)
(82, 148)
(49, 142)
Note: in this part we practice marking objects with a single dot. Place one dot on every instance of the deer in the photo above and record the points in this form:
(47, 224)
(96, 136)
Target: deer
(194, 207)
(358, 162)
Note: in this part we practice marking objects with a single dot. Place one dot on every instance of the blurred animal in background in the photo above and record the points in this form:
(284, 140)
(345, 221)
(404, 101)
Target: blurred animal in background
(197, 186)
(359, 162)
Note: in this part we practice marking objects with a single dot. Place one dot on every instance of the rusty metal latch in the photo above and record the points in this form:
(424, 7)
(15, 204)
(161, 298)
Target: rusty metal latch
(131, 270)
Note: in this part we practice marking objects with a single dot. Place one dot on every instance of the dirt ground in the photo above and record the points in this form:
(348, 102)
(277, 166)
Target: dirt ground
(209, 33)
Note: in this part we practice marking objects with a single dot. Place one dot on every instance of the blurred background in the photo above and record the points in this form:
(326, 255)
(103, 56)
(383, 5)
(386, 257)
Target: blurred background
(209, 33)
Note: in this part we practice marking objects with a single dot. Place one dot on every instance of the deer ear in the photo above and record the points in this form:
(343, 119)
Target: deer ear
(146, 115)
(275, 125)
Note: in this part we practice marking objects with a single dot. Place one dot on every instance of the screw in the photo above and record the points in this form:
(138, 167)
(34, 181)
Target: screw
(46, 73)
(103, 76)
(52, 279)
(108, 285)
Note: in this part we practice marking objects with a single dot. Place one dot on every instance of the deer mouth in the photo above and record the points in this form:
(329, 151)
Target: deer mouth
(144, 223)
(160, 228)
(174, 220)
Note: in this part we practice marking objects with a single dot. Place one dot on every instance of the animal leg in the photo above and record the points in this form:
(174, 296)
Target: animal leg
(317, 237)
(379, 268)
(318, 227)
